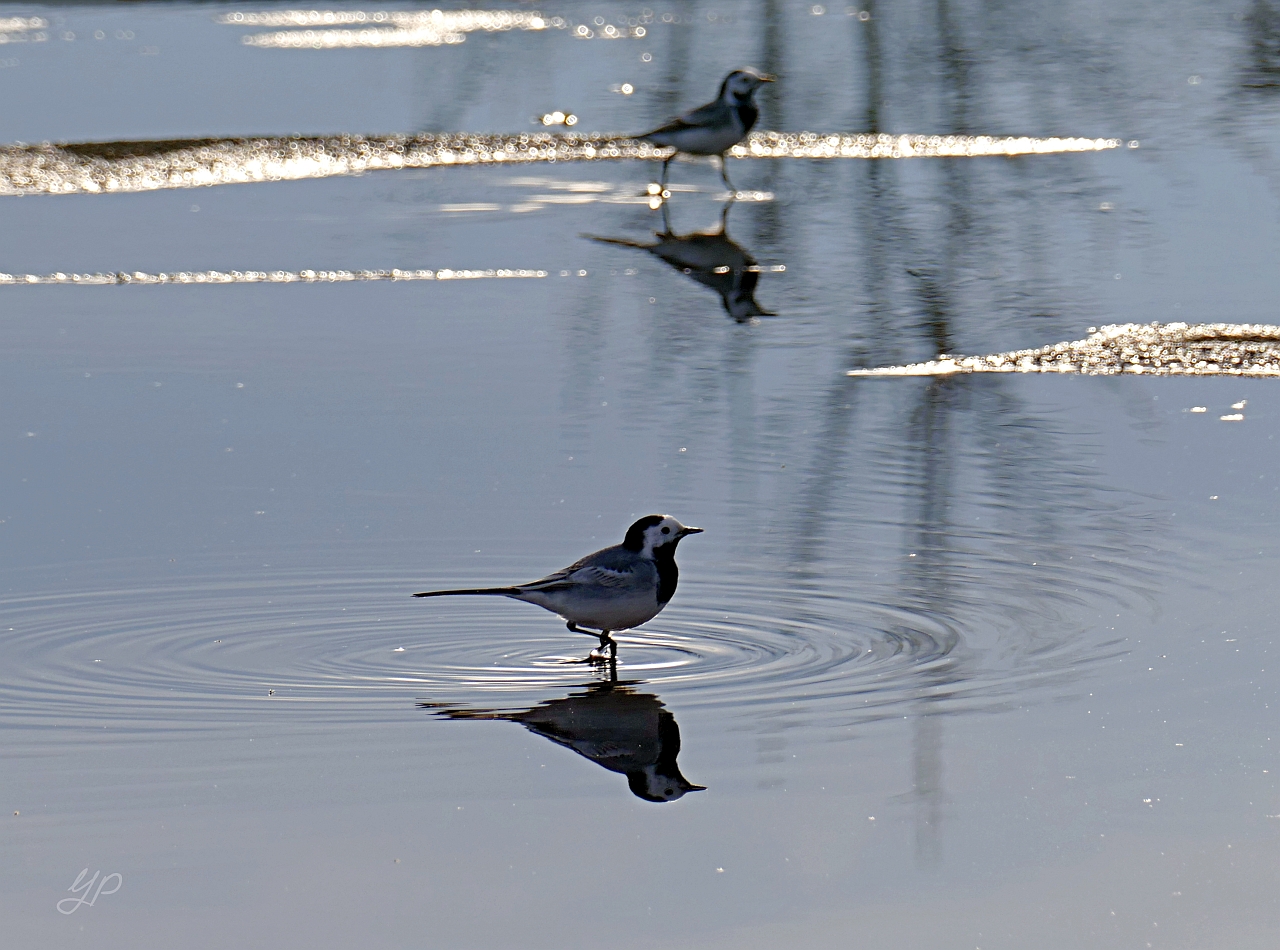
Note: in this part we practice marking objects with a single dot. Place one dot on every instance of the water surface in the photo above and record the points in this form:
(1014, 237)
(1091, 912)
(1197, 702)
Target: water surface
(971, 660)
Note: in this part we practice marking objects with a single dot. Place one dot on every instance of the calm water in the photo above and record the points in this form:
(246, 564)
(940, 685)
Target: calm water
(980, 661)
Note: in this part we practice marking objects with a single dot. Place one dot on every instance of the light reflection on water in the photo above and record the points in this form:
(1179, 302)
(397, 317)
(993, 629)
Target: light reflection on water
(114, 167)
(268, 276)
(357, 29)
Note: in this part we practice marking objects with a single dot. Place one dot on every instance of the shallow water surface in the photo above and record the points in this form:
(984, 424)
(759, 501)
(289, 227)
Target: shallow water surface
(962, 659)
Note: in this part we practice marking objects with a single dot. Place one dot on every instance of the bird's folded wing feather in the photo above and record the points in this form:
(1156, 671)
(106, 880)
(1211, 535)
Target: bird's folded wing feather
(702, 116)
(594, 575)
(709, 114)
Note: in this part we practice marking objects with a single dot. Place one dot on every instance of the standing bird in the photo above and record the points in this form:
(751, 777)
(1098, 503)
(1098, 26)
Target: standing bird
(718, 126)
(616, 588)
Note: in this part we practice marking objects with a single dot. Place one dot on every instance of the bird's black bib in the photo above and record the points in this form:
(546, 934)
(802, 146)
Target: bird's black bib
(664, 560)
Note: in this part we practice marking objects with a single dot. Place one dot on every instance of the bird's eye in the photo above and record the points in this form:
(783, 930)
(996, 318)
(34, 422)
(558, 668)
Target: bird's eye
(666, 530)
(671, 791)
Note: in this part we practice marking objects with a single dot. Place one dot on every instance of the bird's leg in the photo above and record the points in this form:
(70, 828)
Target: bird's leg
(606, 641)
(662, 185)
(724, 175)
(598, 655)
(603, 655)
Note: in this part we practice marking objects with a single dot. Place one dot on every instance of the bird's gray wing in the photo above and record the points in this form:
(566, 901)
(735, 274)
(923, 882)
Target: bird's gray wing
(612, 567)
(593, 575)
(709, 114)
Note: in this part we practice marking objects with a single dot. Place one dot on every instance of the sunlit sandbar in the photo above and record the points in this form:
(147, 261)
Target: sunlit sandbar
(98, 167)
(264, 276)
(1156, 349)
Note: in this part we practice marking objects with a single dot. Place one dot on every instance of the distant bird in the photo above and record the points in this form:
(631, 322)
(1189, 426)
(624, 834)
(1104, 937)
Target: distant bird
(612, 725)
(718, 126)
(616, 588)
(710, 258)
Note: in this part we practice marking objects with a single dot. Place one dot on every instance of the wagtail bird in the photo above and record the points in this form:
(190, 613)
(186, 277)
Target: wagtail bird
(616, 588)
(718, 126)
(712, 259)
(610, 724)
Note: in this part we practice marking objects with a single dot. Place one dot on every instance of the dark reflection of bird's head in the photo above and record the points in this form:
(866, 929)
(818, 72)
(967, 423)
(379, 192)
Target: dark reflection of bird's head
(662, 781)
(711, 258)
(610, 723)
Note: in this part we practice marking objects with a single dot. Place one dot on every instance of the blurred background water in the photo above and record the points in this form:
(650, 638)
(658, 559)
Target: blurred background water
(968, 662)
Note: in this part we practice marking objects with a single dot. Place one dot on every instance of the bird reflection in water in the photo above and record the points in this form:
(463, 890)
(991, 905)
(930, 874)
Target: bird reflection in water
(711, 258)
(612, 724)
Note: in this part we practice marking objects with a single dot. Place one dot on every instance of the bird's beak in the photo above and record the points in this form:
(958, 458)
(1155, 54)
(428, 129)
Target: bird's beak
(695, 788)
(684, 531)
(766, 77)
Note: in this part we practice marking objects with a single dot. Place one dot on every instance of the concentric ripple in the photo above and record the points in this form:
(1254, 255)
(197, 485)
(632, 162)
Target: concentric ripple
(181, 657)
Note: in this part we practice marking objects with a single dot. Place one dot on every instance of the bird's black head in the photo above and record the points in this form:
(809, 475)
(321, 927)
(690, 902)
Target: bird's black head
(740, 84)
(654, 533)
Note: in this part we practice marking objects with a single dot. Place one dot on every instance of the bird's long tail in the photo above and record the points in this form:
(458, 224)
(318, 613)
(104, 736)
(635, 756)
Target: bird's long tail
(501, 591)
(621, 242)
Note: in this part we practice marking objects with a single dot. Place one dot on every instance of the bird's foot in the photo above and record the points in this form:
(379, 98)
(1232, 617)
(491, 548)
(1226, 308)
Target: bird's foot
(594, 658)
(607, 650)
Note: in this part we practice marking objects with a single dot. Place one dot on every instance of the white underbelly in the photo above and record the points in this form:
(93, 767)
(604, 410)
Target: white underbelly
(600, 613)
